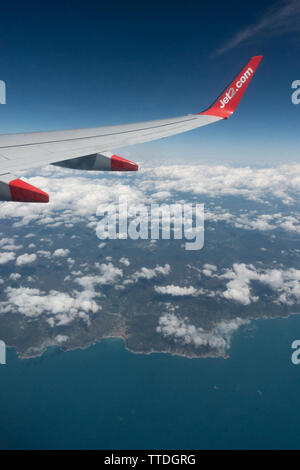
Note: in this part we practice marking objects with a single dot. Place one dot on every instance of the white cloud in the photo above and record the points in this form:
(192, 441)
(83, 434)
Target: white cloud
(147, 273)
(108, 274)
(61, 307)
(285, 283)
(60, 252)
(175, 290)
(181, 331)
(14, 276)
(238, 288)
(261, 222)
(9, 244)
(6, 257)
(26, 258)
(46, 254)
(61, 339)
(209, 269)
(125, 261)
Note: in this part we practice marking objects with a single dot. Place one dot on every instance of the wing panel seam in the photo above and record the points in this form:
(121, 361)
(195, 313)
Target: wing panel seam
(96, 136)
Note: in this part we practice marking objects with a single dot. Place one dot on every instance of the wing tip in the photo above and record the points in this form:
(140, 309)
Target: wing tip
(227, 102)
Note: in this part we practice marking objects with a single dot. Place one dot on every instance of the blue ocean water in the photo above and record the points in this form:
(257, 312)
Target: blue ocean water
(105, 397)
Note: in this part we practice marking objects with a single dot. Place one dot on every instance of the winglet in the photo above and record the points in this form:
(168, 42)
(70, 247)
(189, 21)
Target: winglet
(227, 102)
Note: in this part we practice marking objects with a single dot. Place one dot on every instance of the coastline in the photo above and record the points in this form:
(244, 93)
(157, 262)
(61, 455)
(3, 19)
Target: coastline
(120, 335)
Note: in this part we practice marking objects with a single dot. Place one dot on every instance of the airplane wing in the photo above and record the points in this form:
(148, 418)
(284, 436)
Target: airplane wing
(89, 149)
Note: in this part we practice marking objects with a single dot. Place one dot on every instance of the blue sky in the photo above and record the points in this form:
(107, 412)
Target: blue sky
(74, 64)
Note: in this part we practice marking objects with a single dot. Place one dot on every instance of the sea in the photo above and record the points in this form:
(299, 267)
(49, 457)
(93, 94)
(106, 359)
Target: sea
(106, 397)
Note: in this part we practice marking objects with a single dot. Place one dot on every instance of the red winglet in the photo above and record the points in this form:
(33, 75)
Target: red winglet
(25, 192)
(121, 164)
(227, 102)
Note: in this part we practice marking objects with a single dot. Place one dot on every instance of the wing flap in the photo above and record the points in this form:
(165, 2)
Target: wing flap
(99, 162)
